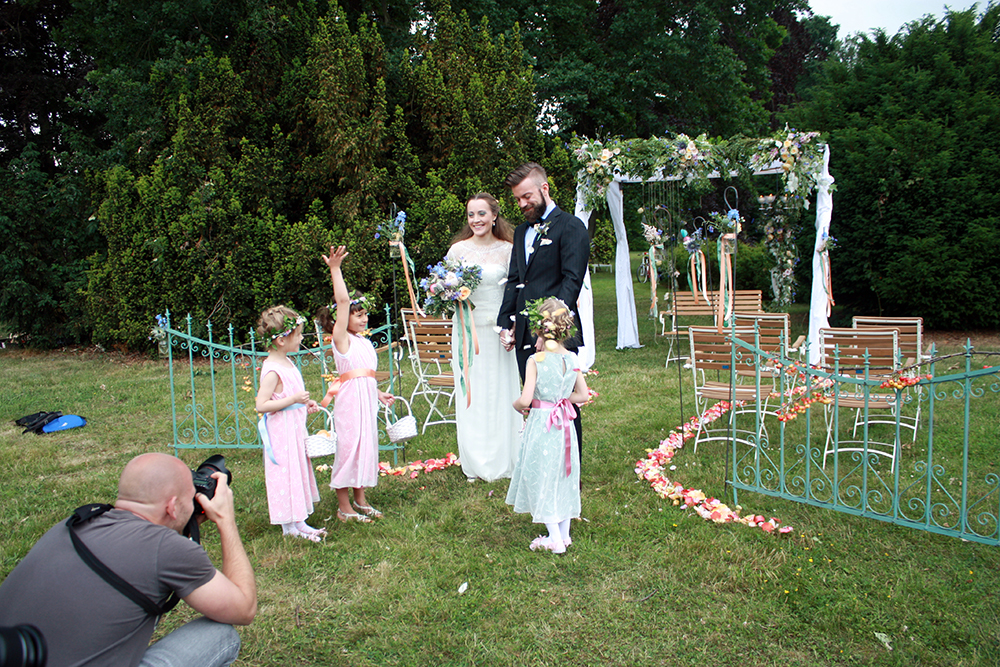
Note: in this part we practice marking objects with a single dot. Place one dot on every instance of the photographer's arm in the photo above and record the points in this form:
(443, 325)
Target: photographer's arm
(231, 596)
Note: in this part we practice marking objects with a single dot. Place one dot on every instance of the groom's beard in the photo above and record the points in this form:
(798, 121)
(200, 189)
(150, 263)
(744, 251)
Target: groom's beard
(533, 212)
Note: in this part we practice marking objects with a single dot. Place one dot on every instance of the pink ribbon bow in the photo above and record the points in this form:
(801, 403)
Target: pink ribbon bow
(562, 416)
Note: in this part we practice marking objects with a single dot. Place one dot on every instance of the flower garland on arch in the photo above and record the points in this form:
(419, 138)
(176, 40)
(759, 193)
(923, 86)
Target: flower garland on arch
(694, 159)
(652, 468)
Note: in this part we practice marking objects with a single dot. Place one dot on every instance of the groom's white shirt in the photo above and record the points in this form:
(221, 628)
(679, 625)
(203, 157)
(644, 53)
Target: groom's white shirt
(531, 233)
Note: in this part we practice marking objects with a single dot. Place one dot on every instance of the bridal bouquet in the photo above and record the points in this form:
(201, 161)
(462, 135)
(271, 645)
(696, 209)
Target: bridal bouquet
(449, 286)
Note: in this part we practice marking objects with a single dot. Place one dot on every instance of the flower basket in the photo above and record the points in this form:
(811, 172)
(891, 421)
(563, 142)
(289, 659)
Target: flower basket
(403, 428)
(322, 443)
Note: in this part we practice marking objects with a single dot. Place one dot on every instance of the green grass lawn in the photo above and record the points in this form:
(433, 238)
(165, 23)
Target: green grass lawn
(645, 583)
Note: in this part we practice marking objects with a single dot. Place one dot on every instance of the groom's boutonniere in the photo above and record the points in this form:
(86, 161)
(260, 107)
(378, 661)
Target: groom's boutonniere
(542, 229)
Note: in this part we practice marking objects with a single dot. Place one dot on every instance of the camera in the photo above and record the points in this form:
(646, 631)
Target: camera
(22, 646)
(203, 480)
(205, 483)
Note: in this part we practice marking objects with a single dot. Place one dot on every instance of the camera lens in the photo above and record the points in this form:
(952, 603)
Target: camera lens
(22, 646)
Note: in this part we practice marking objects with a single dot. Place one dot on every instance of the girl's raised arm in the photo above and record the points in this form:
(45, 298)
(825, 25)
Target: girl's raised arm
(340, 296)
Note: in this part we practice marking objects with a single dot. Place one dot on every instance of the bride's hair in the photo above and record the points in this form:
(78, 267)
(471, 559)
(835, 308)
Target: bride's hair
(501, 228)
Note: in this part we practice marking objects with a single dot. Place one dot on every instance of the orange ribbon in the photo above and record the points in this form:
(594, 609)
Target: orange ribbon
(824, 260)
(406, 274)
(726, 296)
(337, 383)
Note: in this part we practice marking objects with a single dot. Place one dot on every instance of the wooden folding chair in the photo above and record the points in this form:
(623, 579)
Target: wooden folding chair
(910, 334)
(850, 354)
(774, 331)
(711, 352)
(430, 356)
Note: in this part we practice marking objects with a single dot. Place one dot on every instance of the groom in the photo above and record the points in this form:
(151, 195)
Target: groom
(550, 256)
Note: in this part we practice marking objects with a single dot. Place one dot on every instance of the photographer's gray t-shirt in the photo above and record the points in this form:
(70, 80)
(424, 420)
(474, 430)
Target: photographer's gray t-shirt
(84, 620)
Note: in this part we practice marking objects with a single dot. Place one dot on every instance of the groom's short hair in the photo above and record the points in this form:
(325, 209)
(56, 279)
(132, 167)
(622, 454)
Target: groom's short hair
(529, 169)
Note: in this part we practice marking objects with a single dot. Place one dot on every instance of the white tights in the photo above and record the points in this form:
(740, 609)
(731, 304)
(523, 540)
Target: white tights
(559, 531)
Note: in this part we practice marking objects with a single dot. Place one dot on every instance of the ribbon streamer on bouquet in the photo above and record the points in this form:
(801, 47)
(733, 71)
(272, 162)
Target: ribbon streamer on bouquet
(652, 281)
(407, 266)
(265, 438)
(336, 384)
(724, 310)
(824, 262)
(468, 343)
(698, 273)
(562, 416)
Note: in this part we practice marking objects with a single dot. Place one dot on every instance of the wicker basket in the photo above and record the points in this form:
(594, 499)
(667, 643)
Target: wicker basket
(323, 443)
(403, 428)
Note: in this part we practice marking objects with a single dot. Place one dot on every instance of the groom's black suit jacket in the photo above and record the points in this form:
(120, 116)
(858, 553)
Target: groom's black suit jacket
(557, 268)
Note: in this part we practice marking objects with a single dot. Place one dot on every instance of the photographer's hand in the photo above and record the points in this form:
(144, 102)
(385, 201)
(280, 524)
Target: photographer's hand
(231, 598)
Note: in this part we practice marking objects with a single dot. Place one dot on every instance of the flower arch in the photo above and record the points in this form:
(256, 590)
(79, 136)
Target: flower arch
(801, 159)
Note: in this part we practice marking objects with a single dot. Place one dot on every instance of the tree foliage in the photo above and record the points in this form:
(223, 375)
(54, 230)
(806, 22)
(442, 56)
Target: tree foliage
(640, 69)
(239, 141)
(912, 124)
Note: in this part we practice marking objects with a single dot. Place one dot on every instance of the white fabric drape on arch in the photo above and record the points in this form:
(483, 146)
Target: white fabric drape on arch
(628, 330)
(585, 303)
(628, 326)
(818, 297)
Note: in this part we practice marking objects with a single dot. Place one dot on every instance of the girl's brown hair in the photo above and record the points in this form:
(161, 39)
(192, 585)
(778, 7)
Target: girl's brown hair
(326, 315)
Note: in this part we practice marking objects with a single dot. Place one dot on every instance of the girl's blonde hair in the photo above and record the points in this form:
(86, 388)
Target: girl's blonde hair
(556, 320)
(275, 320)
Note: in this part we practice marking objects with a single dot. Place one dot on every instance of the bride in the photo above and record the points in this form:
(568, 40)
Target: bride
(487, 429)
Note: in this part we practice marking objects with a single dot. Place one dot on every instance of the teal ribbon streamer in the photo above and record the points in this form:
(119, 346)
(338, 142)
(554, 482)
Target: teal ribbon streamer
(262, 429)
(464, 338)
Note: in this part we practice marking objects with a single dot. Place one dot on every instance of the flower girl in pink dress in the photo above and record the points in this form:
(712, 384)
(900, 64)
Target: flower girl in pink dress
(284, 402)
(356, 409)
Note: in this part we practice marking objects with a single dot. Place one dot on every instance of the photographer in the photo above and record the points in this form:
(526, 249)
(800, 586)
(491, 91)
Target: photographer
(86, 621)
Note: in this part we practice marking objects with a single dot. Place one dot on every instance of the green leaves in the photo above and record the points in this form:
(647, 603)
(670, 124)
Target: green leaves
(912, 123)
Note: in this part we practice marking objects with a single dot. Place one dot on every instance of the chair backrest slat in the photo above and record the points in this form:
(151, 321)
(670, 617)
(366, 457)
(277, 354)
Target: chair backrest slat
(910, 330)
(878, 348)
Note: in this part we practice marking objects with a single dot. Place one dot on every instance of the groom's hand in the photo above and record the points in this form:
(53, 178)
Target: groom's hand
(507, 339)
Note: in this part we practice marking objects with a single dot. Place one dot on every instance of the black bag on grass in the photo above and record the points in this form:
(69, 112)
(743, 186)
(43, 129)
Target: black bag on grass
(34, 423)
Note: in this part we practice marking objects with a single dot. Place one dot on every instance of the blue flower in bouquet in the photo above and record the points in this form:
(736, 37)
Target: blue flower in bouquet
(394, 228)
(449, 283)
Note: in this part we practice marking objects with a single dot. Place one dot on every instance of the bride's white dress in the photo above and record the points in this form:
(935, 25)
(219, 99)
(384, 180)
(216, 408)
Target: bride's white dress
(488, 429)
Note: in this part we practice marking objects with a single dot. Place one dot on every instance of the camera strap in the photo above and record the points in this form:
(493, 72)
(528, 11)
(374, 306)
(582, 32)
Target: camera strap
(86, 513)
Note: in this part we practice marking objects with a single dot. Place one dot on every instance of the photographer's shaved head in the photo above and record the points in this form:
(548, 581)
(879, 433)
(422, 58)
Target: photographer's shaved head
(149, 482)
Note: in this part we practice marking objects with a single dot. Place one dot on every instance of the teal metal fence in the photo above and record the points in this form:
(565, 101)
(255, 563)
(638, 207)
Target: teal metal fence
(213, 383)
(941, 476)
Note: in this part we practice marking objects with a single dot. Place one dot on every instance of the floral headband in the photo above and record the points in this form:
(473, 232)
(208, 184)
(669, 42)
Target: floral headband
(289, 325)
(365, 300)
(545, 323)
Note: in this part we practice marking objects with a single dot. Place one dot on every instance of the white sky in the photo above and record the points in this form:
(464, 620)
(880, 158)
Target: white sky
(864, 15)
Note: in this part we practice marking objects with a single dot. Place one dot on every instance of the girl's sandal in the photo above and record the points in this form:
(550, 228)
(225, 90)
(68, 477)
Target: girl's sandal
(312, 537)
(368, 511)
(544, 543)
(345, 517)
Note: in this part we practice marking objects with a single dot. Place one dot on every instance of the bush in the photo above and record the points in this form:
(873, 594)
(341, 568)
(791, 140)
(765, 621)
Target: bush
(602, 247)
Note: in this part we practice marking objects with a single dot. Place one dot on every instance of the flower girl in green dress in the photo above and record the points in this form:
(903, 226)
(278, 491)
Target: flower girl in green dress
(546, 478)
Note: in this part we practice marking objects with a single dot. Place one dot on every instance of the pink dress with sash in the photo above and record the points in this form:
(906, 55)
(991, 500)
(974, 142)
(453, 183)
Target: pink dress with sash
(291, 484)
(355, 413)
